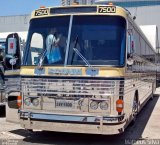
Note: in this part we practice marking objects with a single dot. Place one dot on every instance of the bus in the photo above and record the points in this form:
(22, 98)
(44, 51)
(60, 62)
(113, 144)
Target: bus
(11, 57)
(3, 65)
(85, 69)
(2, 93)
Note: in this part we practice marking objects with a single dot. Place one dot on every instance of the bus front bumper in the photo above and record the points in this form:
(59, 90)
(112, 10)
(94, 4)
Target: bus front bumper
(73, 123)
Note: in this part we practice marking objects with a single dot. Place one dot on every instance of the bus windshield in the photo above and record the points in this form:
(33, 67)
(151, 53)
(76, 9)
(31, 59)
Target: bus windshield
(45, 37)
(100, 39)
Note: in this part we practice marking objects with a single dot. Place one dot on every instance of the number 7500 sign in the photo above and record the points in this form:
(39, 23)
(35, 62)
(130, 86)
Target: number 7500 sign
(106, 9)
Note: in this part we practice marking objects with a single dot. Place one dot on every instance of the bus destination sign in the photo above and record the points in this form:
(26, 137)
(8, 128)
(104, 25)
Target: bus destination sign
(42, 12)
(106, 9)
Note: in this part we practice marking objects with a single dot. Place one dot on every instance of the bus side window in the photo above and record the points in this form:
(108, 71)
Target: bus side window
(130, 42)
(130, 48)
(36, 48)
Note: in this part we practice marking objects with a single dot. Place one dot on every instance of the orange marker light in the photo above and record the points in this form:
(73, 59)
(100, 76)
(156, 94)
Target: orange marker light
(119, 105)
(19, 101)
(110, 3)
(42, 7)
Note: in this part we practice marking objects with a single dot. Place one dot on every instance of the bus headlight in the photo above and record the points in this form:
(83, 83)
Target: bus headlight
(94, 105)
(27, 102)
(104, 105)
(35, 102)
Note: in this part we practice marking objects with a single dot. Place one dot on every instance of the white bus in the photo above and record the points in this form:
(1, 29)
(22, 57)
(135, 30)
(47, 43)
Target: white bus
(95, 76)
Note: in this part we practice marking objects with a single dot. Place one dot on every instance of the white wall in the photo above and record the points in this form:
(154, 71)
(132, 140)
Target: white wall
(14, 23)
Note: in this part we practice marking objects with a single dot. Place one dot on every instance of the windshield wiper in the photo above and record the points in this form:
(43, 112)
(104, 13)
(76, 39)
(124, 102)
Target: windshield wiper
(79, 54)
(41, 58)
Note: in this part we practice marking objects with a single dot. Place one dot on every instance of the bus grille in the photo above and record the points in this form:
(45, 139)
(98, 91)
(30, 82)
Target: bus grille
(52, 86)
(12, 84)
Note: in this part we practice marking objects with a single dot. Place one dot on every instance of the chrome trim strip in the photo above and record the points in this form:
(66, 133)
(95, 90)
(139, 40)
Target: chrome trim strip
(70, 118)
(70, 86)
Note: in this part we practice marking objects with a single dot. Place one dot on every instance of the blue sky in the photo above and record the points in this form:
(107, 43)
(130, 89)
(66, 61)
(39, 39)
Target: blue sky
(20, 7)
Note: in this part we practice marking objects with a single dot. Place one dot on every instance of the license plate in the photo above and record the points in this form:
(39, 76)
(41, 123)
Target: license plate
(64, 104)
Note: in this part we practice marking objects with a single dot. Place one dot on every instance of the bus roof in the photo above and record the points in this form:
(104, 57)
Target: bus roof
(79, 10)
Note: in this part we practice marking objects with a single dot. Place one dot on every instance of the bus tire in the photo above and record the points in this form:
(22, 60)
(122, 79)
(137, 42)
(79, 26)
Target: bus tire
(135, 108)
(152, 95)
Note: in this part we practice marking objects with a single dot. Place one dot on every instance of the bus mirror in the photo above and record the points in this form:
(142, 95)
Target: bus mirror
(12, 59)
(130, 41)
(130, 60)
(13, 102)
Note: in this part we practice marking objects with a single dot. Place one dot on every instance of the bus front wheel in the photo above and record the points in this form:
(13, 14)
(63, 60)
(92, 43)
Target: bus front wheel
(135, 108)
